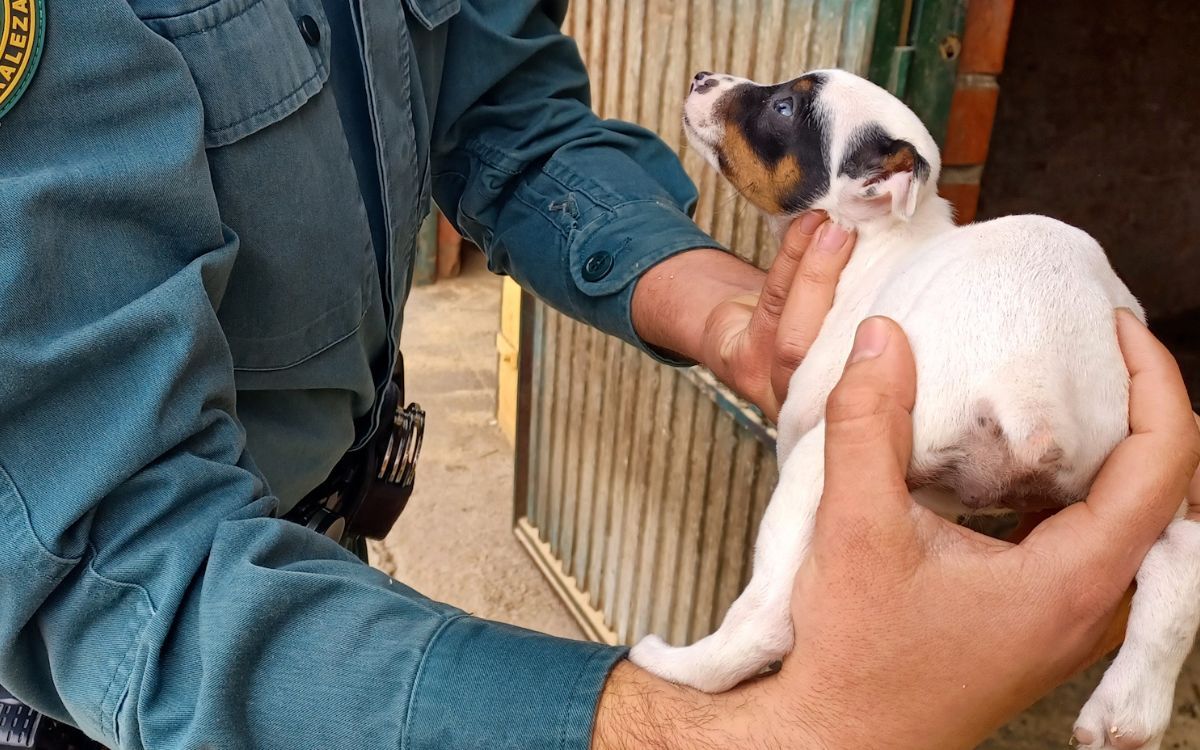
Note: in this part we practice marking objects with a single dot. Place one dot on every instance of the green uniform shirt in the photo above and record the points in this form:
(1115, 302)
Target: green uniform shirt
(207, 222)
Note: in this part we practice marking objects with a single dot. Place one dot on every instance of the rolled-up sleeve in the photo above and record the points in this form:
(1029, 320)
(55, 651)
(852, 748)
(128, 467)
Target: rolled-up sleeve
(146, 592)
(575, 208)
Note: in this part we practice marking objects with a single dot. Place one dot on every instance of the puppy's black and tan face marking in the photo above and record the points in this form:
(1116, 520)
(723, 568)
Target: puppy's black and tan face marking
(767, 140)
(828, 139)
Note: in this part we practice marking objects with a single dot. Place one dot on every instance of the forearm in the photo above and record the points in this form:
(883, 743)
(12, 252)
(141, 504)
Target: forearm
(673, 300)
(573, 207)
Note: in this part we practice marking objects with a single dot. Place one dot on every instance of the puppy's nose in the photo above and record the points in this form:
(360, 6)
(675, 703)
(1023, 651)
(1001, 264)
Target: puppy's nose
(703, 81)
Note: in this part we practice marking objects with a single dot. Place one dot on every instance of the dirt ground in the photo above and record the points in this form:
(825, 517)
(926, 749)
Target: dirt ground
(455, 541)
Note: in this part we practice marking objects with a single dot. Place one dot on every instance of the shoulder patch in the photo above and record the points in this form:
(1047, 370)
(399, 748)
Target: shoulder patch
(22, 31)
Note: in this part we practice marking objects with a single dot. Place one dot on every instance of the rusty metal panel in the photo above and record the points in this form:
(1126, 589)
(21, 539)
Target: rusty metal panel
(645, 484)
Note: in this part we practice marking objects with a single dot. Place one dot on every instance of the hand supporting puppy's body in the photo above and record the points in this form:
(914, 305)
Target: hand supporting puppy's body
(1022, 388)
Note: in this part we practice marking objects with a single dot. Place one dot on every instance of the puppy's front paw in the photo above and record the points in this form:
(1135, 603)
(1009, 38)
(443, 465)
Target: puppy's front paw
(650, 653)
(1128, 711)
(699, 666)
(682, 665)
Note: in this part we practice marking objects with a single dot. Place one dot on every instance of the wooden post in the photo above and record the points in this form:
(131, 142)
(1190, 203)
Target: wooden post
(449, 249)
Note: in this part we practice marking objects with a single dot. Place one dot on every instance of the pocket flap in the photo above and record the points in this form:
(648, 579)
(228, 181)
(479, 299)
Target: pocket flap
(432, 13)
(251, 63)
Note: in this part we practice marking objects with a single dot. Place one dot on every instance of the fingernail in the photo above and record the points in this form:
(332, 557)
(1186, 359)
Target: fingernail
(810, 221)
(832, 238)
(870, 341)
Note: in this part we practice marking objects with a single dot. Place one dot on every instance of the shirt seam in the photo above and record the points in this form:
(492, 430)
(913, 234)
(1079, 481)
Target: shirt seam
(366, 309)
(607, 203)
(58, 558)
(564, 233)
(219, 130)
(573, 697)
(415, 695)
(219, 21)
(107, 712)
(491, 155)
(590, 233)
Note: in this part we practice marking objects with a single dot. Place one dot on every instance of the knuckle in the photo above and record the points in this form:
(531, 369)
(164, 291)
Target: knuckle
(813, 274)
(792, 350)
(789, 360)
(793, 248)
(772, 300)
(853, 401)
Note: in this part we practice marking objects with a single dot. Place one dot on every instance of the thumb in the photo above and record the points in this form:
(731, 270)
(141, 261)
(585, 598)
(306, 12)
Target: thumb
(868, 427)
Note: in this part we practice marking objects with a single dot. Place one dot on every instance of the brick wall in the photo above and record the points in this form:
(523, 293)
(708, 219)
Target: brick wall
(973, 109)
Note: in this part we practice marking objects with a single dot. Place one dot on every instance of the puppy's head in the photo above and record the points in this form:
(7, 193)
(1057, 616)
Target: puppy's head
(827, 139)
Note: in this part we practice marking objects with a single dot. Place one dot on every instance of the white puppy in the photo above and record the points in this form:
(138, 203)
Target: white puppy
(1023, 391)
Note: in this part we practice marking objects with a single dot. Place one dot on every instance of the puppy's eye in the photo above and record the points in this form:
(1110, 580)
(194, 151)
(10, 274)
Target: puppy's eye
(783, 107)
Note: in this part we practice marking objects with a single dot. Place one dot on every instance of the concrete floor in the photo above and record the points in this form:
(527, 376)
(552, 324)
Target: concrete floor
(455, 541)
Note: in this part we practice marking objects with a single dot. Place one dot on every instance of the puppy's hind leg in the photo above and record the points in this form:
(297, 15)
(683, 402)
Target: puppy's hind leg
(757, 630)
(1131, 707)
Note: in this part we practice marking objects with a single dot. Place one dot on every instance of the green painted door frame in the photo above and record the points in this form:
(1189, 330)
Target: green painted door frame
(915, 55)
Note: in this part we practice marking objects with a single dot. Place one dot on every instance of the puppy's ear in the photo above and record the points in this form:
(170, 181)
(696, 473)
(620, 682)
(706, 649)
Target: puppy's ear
(885, 175)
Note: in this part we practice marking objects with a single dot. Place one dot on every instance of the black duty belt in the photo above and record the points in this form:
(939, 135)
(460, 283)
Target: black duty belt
(22, 727)
(369, 487)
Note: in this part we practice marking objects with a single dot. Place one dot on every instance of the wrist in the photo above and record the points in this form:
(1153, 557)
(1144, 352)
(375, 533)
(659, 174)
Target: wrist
(639, 711)
(673, 300)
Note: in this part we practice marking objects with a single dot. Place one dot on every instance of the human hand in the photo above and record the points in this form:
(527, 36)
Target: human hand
(911, 631)
(751, 329)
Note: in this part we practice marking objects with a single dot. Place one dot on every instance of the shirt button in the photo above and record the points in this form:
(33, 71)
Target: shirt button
(597, 266)
(310, 30)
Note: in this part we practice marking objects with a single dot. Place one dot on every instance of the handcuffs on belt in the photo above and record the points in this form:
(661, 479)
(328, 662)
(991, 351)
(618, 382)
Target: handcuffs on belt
(369, 487)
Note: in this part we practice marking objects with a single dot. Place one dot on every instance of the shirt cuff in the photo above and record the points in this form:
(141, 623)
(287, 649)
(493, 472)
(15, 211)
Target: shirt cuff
(488, 685)
(608, 257)
(582, 229)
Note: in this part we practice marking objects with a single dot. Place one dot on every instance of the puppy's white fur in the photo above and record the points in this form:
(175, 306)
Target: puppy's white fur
(1011, 326)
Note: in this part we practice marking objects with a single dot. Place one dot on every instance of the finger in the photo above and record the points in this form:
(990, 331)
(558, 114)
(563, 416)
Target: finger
(764, 321)
(809, 300)
(868, 426)
(1141, 485)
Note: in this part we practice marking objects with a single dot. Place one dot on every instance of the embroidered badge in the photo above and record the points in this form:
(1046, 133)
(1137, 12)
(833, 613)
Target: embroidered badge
(22, 29)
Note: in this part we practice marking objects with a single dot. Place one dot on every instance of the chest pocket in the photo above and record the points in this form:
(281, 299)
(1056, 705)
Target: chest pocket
(305, 276)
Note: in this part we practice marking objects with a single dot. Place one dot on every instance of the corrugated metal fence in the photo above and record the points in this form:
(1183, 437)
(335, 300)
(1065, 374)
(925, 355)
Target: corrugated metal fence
(641, 486)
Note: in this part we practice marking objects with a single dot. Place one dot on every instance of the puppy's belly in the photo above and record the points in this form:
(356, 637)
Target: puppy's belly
(1022, 388)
